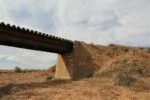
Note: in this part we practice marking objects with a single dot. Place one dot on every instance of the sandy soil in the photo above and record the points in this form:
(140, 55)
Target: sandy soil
(124, 74)
(85, 89)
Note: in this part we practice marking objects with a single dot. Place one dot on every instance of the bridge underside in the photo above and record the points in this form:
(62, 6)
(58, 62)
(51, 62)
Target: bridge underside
(29, 39)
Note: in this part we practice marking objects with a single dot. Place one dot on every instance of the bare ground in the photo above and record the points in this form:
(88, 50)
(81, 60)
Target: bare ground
(85, 89)
(124, 74)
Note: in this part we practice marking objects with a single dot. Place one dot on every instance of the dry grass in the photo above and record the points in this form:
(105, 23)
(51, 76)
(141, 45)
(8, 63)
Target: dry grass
(124, 75)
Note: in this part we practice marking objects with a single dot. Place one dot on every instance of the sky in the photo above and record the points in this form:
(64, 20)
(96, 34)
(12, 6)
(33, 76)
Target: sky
(93, 21)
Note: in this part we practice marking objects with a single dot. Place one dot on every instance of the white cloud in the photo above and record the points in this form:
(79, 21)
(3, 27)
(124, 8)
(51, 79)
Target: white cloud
(106, 20)
(98, 21)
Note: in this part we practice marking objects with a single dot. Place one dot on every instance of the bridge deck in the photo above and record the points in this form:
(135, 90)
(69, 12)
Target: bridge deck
(29, 39)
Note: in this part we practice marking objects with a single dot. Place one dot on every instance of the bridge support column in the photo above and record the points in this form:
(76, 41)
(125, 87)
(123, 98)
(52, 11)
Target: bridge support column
(64, 69)
(75, 65)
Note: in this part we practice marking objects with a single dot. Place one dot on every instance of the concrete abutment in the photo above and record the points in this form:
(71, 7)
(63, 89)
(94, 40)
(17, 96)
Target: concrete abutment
(76, 64)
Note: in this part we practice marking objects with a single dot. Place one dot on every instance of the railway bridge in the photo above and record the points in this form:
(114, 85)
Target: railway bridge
(71, 54)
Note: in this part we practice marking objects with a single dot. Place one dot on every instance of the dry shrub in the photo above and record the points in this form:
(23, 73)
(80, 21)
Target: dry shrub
(111, 45)
(53, 81)
(142, 85)
(123, 79)
(147, 50)
(5, 98)
(10, 89)
(49, 78)
(17, 69)
(18, 88)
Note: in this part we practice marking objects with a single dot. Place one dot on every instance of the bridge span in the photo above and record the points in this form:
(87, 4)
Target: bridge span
(11, 35)
(73, 60)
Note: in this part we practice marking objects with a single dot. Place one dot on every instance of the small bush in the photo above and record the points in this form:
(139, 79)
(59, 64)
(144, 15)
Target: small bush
(147, 50)
(17, 70)
(49, 78)
(30, 70)
(123, 80)
(18, 88)
(111, 45)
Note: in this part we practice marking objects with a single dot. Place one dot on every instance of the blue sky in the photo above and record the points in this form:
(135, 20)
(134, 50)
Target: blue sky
(98, 21)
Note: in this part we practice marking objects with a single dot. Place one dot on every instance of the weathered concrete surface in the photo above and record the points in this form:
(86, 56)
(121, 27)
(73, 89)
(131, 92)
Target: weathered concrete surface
(63, 67)
(77, 64)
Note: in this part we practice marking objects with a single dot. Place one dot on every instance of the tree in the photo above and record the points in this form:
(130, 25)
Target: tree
(17, 69)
